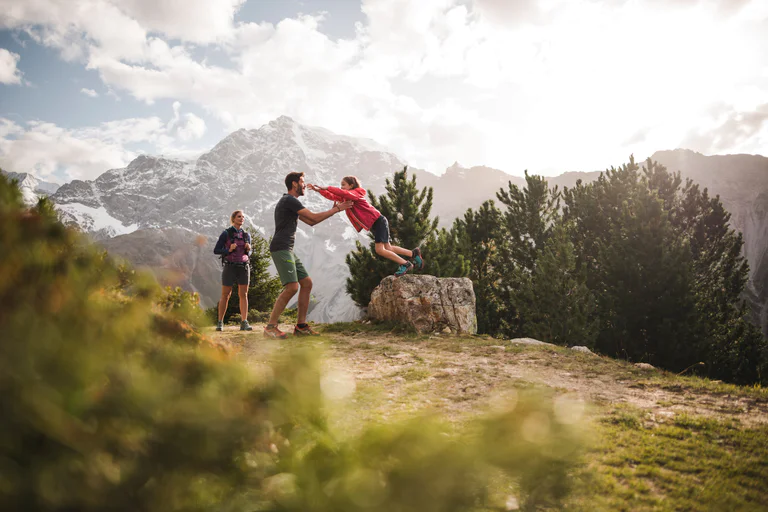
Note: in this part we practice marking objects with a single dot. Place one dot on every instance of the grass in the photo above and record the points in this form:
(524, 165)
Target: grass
(664, 443)
(688, 463)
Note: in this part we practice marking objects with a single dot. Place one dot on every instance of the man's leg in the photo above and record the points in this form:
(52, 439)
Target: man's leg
(289, 290)
(226, 291)
(304, 293)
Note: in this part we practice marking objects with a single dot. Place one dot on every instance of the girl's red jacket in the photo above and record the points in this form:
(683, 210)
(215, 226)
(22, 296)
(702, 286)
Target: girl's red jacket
(362, 214)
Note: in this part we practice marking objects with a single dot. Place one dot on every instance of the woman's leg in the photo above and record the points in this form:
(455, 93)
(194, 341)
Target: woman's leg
(226, 291)
(243, 292)
(381, 250)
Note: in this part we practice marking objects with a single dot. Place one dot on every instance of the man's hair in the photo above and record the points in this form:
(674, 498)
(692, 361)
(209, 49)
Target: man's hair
(293, 177)
(234, 214)
(352, 181)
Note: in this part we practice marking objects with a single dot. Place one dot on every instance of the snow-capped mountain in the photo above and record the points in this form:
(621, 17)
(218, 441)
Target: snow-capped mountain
(31, 186)
(245, 171)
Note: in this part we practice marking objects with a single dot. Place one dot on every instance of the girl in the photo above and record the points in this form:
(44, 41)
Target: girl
(364, 216)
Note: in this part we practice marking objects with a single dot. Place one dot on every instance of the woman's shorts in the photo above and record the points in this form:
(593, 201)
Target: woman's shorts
(235, 274)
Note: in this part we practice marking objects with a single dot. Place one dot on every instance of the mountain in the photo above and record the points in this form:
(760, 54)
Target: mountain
(741, 181)
(31, 186)
(245, 171)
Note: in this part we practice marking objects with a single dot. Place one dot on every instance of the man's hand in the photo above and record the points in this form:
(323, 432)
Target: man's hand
(346, 205)
(247, 247)
(232, 247)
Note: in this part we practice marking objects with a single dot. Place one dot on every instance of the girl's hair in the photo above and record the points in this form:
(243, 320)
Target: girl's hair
(234, 214)
(352, 181)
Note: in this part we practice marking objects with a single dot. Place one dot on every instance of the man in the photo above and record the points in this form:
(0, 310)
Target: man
(292, 273)
(234, 247)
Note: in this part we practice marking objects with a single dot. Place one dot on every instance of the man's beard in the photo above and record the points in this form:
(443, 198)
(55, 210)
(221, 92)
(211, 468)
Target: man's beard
(300, 191)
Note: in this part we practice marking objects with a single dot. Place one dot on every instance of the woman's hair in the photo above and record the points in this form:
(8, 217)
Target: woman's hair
(352, 181)
(234, 214)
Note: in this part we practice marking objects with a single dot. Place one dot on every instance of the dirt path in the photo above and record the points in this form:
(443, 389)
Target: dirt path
(394, 374)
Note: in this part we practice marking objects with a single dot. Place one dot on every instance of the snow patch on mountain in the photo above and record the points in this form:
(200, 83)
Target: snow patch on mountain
(94, 220)
(32, 188)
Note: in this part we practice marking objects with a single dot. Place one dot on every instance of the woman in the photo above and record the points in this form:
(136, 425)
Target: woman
(234, 247)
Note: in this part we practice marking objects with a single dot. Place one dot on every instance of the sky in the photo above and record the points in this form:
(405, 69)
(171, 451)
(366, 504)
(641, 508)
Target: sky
(547, 86)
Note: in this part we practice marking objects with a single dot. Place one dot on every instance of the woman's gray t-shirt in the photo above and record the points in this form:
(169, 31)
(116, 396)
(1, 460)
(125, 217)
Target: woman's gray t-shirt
(286, 221)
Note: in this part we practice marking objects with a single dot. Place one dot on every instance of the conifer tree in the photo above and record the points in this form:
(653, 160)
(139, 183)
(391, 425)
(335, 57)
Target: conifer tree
(481, 234)
(554, 302)
(529, 217)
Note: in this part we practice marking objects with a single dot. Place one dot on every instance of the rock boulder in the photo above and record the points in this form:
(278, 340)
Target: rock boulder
(428, 303)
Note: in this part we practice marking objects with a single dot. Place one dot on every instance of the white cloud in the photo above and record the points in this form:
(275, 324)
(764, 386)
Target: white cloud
(89, 92)
(186, 127)
(548, 85)
(9, 74)
(200, 21)
(84, 153)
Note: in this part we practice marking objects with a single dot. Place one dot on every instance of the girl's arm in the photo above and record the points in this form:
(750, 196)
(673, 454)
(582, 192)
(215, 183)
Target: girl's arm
(345, 194)
(329, 195)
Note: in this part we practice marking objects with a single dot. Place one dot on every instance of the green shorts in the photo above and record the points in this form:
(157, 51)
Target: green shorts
(289, 267)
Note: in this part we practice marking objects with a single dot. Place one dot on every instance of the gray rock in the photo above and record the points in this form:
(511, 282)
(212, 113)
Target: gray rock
(529, 341)
(427, 303)
(582, 349)
(644, 366)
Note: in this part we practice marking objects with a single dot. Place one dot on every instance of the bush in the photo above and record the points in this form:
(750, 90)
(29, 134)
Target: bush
(110, 402)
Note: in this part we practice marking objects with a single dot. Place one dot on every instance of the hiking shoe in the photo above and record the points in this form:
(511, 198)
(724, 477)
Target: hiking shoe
(403, 269)
(305, 331)
(245, 326)
(418, 261)
(271, 331)
(219, 326)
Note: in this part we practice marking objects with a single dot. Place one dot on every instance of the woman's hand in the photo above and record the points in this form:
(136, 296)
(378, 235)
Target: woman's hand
(247, 247)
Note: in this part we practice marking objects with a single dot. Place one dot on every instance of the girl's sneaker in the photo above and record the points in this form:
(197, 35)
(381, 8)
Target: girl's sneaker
(403, 269)
(417, 259)
(219, 326)
(245, 326)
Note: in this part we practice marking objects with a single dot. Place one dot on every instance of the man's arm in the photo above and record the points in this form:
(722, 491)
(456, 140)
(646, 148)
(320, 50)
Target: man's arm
(311, 218)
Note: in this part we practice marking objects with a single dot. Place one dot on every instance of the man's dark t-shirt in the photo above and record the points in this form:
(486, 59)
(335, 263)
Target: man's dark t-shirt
(286, 220)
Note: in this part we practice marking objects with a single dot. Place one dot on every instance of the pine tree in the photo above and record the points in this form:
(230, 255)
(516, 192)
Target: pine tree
(666, 270)
(408, 211)
(529, 217)
(445, 253)
(481, 235)
(554, 302)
